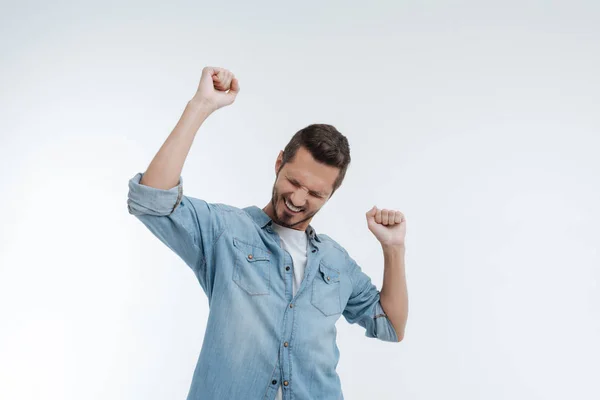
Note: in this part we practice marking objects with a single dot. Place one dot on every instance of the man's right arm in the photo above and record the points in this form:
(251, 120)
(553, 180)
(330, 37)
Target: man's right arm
(187, 225)
(217, 88)
(166, 166)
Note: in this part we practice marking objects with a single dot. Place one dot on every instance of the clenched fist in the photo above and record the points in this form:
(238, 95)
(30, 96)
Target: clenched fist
(388, 226)
(218, 88)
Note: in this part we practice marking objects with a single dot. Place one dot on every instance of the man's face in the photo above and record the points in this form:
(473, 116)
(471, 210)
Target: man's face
(302, 187)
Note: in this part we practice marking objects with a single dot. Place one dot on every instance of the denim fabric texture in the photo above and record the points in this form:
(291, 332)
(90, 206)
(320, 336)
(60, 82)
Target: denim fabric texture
(258, 334)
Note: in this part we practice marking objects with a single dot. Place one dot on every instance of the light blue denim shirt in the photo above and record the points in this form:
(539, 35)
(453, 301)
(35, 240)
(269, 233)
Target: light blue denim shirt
(259, 335)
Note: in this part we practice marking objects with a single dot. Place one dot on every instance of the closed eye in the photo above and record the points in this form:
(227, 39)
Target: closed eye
(312, 193)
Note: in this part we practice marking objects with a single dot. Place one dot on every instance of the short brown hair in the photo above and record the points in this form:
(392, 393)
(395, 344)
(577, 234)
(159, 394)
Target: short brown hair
(326, 145)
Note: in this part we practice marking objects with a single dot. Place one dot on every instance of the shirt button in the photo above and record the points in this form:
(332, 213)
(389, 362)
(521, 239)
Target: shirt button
(274, 381)
(285, 383)
(314, 251)
(250, 256)
(291, 306)
(287, 268)
(286, 344)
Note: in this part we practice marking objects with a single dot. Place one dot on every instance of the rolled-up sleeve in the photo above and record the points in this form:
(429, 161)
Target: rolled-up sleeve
(364, 307)
(187, 225)
(146, 200)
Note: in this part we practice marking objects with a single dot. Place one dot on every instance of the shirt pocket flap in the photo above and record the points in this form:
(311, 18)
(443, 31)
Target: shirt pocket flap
(329, 275)
(252, 252)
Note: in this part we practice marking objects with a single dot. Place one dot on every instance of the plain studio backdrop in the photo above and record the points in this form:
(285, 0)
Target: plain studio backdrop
(478, 120)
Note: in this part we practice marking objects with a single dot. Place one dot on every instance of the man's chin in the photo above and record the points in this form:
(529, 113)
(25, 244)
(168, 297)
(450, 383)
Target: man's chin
(287, 218)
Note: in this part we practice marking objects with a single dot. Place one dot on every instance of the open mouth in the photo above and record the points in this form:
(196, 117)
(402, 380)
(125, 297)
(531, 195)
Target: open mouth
(291, 208)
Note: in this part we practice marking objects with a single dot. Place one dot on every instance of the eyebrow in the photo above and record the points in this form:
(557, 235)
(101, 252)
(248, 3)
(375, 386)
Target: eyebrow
(295, 181)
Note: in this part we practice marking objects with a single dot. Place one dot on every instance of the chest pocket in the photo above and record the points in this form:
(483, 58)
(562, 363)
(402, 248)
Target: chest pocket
(326, 290)
(252, 267)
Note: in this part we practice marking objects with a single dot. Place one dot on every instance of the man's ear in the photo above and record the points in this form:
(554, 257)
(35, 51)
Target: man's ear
(278, 161)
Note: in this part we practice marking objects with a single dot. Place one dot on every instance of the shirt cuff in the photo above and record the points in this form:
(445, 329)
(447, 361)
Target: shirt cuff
(143, 199)
(384, 330)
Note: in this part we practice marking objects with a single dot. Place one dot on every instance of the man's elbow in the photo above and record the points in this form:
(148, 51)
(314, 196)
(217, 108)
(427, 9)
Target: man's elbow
(399, 331)
(399, 335)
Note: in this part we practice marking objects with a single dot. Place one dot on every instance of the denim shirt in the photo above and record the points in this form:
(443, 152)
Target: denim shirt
(259, 335)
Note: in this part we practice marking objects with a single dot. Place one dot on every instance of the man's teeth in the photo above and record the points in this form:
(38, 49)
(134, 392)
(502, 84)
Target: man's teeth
(291, 207)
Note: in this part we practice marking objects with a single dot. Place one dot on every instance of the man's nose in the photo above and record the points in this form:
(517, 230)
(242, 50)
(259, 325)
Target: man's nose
(298, 198)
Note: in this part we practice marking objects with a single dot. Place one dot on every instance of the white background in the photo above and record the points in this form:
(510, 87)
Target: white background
(478, 120)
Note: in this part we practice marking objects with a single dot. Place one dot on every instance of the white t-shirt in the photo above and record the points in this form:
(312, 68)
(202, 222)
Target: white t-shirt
(294, 242)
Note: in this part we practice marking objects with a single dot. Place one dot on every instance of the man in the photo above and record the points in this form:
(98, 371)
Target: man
(275, 287)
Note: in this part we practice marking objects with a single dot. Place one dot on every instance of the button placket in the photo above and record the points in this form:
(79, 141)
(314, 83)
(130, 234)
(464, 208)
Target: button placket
(288, 330)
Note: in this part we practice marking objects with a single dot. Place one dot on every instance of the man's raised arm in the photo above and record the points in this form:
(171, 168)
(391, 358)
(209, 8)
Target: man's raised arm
(218, 87)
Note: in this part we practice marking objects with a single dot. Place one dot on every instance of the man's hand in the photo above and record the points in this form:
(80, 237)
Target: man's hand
(388, 226)
(218, 88)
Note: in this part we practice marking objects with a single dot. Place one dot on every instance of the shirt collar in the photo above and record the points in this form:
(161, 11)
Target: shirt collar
(262, 219)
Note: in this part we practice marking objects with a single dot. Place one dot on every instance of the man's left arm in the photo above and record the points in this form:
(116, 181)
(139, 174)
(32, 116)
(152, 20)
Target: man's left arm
(394, 294)
(389, 227)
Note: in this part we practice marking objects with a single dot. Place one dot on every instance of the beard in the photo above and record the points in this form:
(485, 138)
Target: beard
(284, 217)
